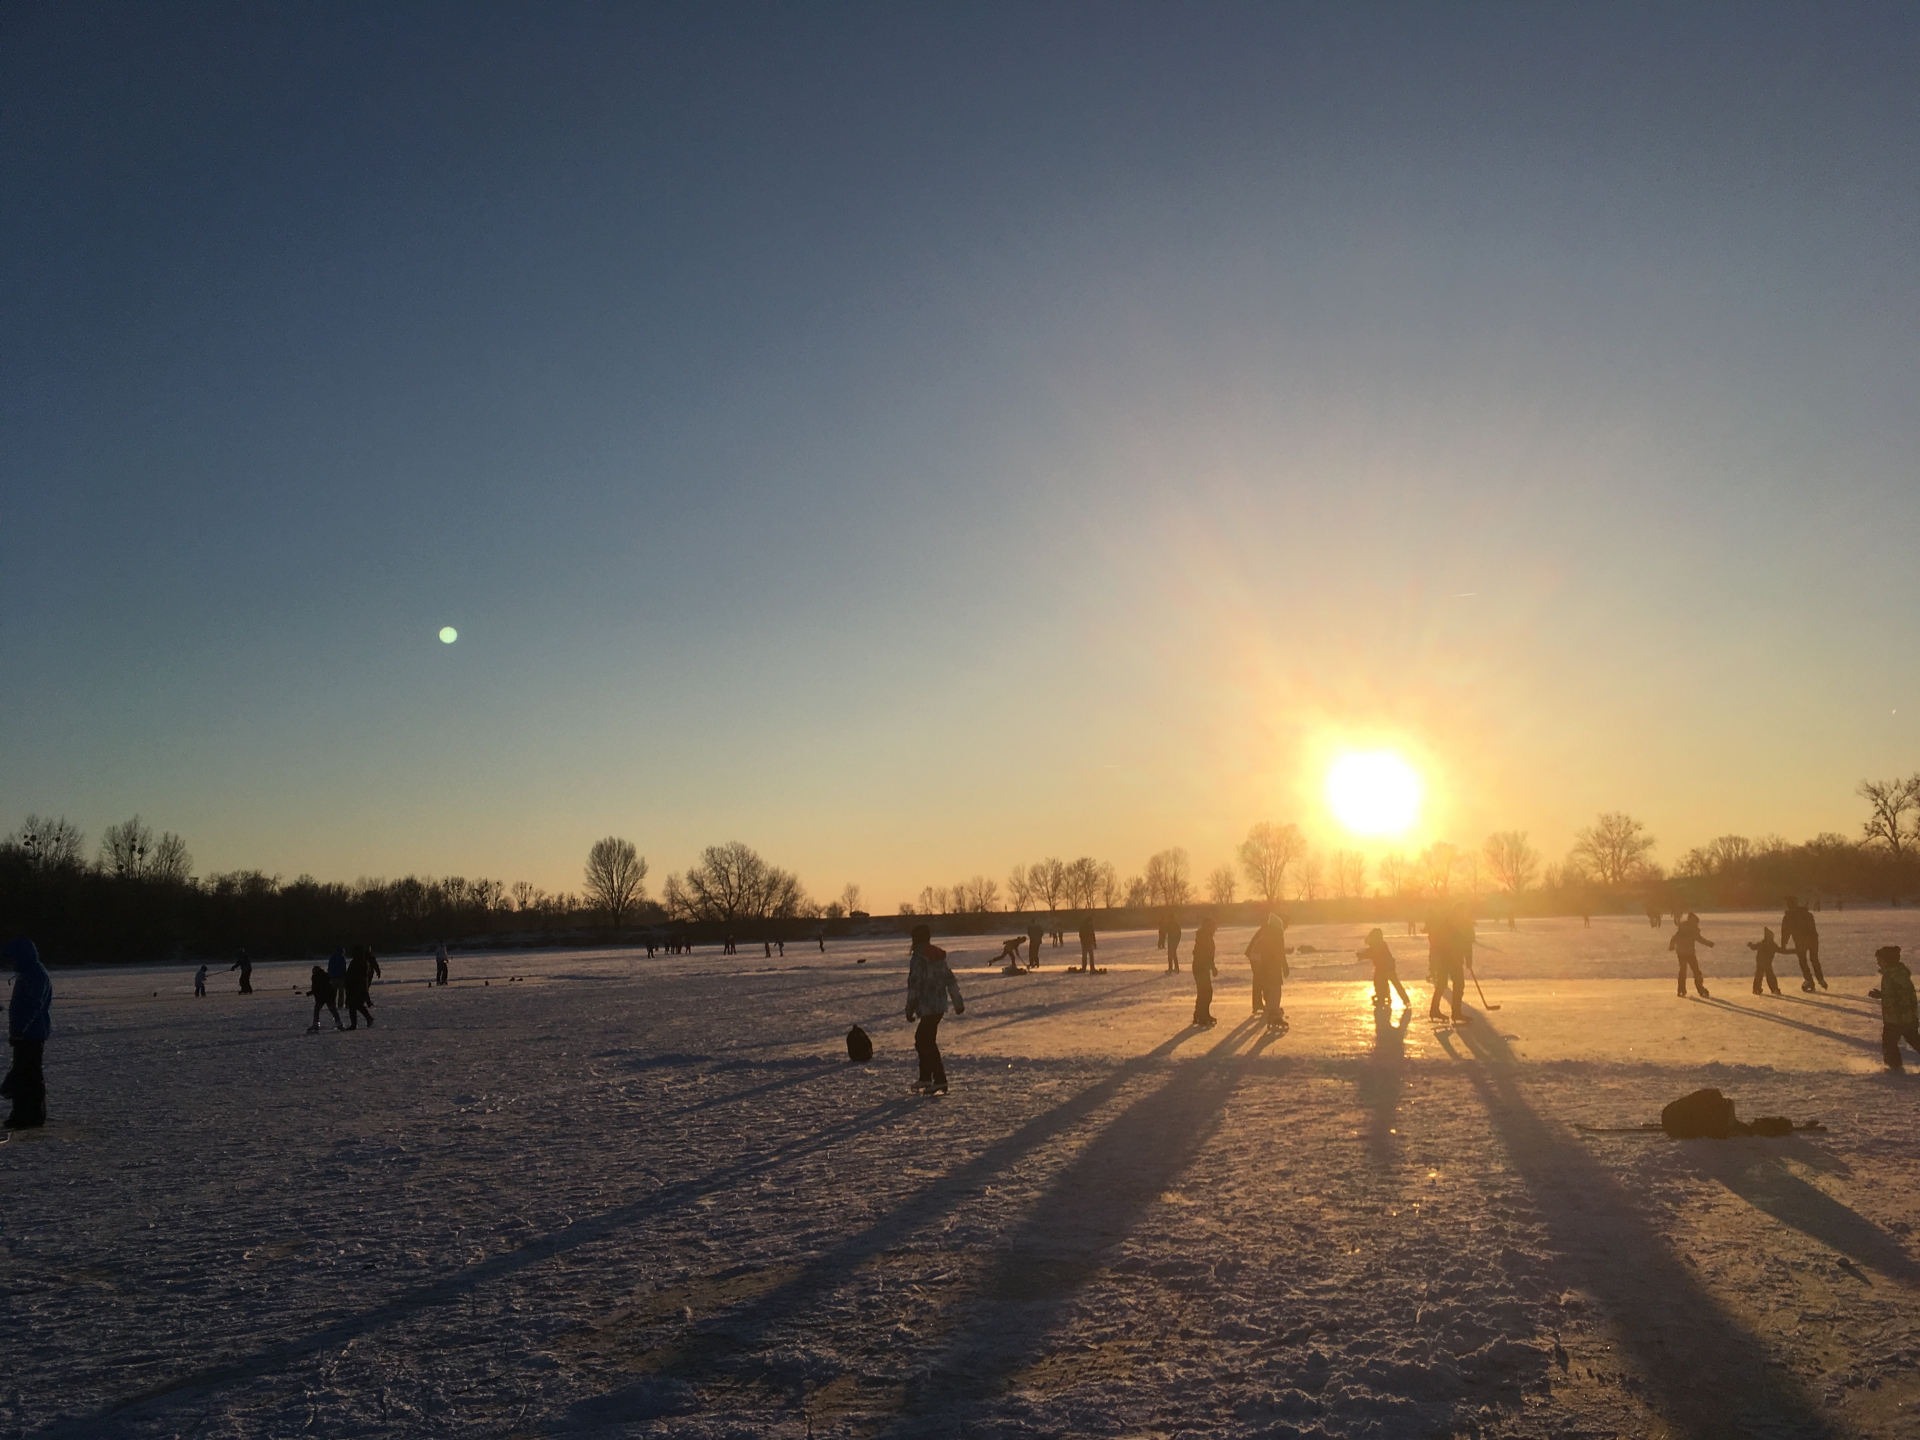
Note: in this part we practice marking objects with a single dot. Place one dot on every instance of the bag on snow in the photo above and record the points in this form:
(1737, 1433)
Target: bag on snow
(1703, 1115)
(859, 1046)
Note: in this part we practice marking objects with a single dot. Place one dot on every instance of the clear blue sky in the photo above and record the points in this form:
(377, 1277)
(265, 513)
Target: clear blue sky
(918, 439)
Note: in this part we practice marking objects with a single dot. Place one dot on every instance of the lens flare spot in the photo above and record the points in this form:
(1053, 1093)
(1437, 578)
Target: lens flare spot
(1373, 792)
(448, 634)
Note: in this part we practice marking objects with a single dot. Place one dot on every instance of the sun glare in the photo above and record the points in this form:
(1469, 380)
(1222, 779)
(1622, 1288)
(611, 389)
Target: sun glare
(1373, 792)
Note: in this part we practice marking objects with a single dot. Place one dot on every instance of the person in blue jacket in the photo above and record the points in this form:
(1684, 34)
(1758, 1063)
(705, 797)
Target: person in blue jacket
(29, 1023)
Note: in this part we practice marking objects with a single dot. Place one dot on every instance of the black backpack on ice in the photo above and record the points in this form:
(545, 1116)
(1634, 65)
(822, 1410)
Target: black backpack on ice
(1703, 1115)
(859, 1046)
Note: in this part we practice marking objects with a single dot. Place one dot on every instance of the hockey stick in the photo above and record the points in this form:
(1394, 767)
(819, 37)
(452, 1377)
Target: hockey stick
(1483, 994)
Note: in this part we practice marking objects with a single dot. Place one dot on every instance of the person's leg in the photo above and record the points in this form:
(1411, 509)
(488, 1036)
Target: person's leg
(1890, 1047)
(1380, 990)
(1680, 979)
(1439, 979)
(1405, 1002)
(1813, 959)
(1699, 981)
(1457, 979)
(933, 1053)
(922, 1045)
(1806, 970)
(27, 1084)
(1759, 970)
(1276, 1015)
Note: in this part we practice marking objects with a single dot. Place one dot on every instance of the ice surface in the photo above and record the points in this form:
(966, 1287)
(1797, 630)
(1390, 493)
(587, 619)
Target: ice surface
(629, 1197)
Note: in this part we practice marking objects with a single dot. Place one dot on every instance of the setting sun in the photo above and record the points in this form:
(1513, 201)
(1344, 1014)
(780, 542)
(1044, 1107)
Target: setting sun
(1373, 792)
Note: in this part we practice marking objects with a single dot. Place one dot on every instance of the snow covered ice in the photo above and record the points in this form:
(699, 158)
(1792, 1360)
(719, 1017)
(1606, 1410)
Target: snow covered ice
(620, 1196)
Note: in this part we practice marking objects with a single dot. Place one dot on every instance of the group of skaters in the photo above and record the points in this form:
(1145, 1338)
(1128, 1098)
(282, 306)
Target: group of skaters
(1799, 935)
(350, 979)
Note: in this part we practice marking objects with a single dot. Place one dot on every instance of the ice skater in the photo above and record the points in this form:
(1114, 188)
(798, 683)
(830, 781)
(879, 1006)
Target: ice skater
(200, 983)
(1446, 968)
(1899, 1014)
(1385, 971)
(337, 969)
(320, 987)
(440, 963)
(1799, 934)
(1088, 944)
(1764, 949)
(1686, 935)
(1010, 955)
(1203, 972)
(360, 972)
(1173, 944)
(245, 966)
(930, 984)
(1267, 954)
(29, 1024)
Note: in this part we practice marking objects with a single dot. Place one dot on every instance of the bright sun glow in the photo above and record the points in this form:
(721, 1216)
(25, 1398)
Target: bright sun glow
(1373, 792)
(448, 634)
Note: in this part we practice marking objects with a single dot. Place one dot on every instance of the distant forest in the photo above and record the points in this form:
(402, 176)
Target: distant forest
(136, 897)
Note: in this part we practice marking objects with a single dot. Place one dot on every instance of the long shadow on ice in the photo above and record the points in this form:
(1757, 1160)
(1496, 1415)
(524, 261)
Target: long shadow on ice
(1752, 1169)
(1859, 1042)
(746, 1325)
(1705, 1372)
(277, 1357)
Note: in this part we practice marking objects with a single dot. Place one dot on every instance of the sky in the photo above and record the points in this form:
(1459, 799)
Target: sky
(916, 440)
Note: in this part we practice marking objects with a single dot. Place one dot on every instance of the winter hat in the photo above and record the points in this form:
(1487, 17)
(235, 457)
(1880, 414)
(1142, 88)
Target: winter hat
(1374, 934)
(1886, 954)
(21, 952)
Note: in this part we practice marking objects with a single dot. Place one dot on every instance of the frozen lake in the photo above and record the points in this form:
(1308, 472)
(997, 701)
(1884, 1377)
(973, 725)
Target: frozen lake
(629, 1197)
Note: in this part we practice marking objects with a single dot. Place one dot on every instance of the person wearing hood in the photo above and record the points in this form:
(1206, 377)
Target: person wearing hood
(1267, 954)
(1385, 972)
(29, 1024)
(245, 966)
(930, 984)
(1899, 1014)
(1203, 971)
(1764, 949)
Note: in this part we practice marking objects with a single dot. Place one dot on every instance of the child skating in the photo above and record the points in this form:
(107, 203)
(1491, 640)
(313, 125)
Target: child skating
(930, 984)
(1385, 971)
(1686, 935)
(1899, 1014)
(1764, 949)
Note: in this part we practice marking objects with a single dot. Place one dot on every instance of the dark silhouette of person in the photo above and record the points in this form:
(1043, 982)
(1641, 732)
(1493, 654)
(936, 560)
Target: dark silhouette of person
(440, 963)
(1088, 944)
(200, 983)
(1385, 971)
(1446, 967)
(823, 942)
(1686, 935)
(930, 984)
(1036, 938)
(1267, 953)
(337, 969)
(29, 1025)
(1799, 934)
(1654, 912)
(360, 972)
(1010, 955)
(1203, 970)
(783, 948)
(1173, 943)
(648, 937)
(245, 967)
(767, 947)
(1764, 949)
(1899, 1012)
(321, 988)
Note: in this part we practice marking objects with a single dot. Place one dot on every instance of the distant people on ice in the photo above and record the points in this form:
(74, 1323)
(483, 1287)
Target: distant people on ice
(29, 1025)
(1899, 1014)
(1385, 972)
(440, 963)
(1173, 942)
(245, 966)
(1686, 935)
(930, 984)
(1267, 955)
(360, 972)
(200, 983)
(1203, 972)
(1764, 949)
(1036, 938)
(1799, 934)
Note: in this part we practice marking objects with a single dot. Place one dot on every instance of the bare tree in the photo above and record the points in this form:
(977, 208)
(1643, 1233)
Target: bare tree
(1395, 873)
(125, 849)
(1019, 890)
(1265, 855)
(1436, 865)
(616, 877)
(850, 898)
(1349, 874)
(1312, 878)
(1048, 880)
(1889, 802)
(1082, 883)
(732, 882)
(48, 844)
(1167, 882)
(1512, 860)
(1614, 848)
(977, 896)
(170, 860)
(1138, 894)
(1108, 893)
(1221, 885)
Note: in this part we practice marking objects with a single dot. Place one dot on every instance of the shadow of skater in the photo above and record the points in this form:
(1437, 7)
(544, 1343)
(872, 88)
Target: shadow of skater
(1800, 1025)
(1753, 1170)
(1381, 1082)
(1705, 1374)
(1062, 1242)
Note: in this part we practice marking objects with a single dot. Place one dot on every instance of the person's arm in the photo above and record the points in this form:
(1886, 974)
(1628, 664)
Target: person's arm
(1704, 941)
(953, 989)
